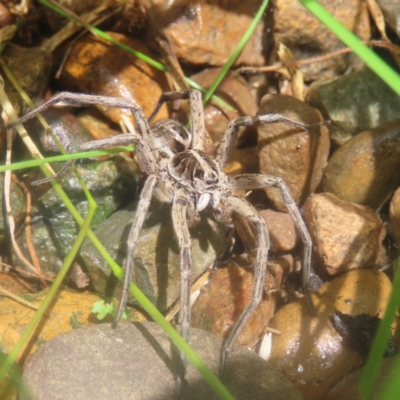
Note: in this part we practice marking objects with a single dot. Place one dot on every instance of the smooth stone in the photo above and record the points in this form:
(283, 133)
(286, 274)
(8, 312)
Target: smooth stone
(134, 361)
(354, 102)
(366, 169)
(310, 352)
(157, 258)
(293, 154)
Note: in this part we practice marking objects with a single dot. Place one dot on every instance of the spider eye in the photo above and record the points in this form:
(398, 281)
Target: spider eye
(209, 182)
(199, 174)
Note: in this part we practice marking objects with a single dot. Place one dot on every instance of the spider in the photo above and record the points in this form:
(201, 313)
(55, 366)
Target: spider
(181, 174)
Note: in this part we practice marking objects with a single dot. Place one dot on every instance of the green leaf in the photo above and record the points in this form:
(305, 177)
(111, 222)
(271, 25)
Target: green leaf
(102, 309)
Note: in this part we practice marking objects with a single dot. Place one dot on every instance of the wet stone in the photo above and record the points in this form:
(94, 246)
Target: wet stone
(134, 361)
(354, 102)
(208, 32)
(96, 66)
(53, 227)
(157, 259)
(33, 80)
(293, 154)
(366, 169)
(311, 354)
(345, 235)
(306, 37)
(224, 298)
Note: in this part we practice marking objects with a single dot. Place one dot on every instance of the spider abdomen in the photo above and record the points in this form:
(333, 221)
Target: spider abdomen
(170, 137)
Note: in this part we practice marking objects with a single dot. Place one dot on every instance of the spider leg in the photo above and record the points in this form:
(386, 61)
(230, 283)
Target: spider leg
(116, 141)
(144, 202)
(179, 212)
(243, 208)
(197, 127)
(230, 135)
(256, 181)
(148, 156)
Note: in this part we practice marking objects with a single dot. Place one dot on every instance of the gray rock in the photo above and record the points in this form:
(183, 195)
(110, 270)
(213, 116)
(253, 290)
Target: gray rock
(157, 259)
(134, 361)
(53, 227)
(354, 102)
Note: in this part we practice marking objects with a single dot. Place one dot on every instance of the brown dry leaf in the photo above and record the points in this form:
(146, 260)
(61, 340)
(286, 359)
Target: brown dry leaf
(378, 18)
(296, 76)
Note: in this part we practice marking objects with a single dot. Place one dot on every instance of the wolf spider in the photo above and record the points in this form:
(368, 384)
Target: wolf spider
(180, 173)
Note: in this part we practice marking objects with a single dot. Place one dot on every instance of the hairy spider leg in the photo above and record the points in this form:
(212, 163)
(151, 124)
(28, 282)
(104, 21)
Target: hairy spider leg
(197, 125)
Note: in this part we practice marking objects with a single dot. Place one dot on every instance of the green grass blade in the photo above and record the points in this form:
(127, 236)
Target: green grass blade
(381, 339)
(236, 52)
(392, 389)
(384, 71)
(64, 157)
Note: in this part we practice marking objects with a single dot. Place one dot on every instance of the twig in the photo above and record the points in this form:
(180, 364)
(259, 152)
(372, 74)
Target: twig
(18, 299)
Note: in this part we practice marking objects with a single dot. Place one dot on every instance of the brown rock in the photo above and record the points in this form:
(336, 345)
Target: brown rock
(394, 213)
(208, 32)
(97, 66)
(296, 155)
(366, 169)
(306, 37)
(222, 301)
(242, 161)
(310, 352)
(282, 230)
(345, 236)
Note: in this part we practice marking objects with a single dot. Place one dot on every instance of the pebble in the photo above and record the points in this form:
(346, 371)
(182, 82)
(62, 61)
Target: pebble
(53, 227)
(366, 169)
(310, 352)
(345, 235)
(282, 230)
(224, 298)
(96, 66)
(207, 33)
(134, 361)
(295, 155)
(306, 37)
(354, 102)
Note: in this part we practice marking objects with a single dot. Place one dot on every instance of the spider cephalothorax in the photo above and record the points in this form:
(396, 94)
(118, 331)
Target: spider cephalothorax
(199, 174)
(180, 173)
